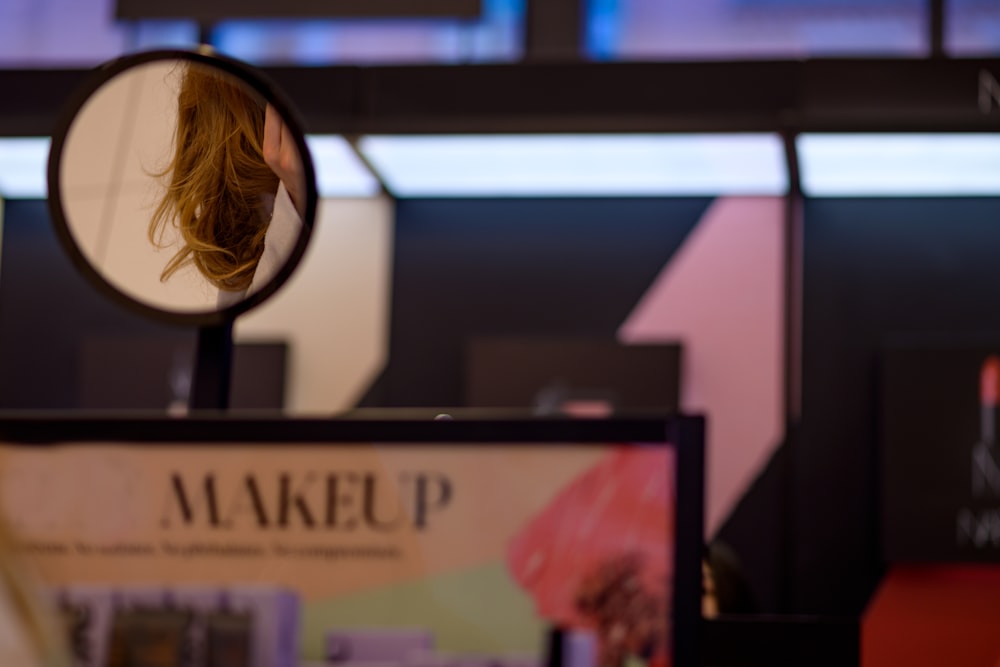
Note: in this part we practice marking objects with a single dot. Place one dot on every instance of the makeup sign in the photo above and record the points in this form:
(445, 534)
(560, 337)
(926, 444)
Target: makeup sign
(484, 547)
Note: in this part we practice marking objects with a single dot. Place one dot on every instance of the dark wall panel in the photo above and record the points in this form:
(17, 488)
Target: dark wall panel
(757, 534)
(510, 267)
(47, 312)
(873, 268)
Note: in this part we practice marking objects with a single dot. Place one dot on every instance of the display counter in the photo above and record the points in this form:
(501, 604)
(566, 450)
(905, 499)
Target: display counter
(363, 540)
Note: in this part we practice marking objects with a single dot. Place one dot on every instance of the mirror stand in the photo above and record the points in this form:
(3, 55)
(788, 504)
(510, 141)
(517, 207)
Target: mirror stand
(213, 365)
(144, 102)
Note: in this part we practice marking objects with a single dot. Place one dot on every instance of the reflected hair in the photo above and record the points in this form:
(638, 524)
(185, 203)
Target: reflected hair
(215, 180)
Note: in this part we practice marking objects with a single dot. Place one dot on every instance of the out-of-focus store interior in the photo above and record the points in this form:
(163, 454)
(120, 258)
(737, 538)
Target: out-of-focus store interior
(780, 215)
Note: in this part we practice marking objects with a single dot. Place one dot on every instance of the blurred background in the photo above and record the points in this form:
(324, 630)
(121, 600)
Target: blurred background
(62, 32)
(732, 207)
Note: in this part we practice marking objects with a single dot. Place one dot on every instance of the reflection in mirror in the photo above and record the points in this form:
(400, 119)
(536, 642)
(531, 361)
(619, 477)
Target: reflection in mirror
(182, 186)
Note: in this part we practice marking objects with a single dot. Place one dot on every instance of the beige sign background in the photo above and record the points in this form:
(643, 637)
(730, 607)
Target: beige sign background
(374, 536)
(323, 521)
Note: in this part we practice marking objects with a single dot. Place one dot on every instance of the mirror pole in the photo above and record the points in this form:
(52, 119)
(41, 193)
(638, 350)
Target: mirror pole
(213, 366)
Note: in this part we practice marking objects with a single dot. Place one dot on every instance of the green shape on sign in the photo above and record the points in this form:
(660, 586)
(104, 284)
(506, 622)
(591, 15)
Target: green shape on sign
(480, 610)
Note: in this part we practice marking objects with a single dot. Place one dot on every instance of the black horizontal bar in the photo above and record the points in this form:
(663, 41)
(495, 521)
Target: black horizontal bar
(777, 641)
(355, 428)
(219, 10)
(810, 95)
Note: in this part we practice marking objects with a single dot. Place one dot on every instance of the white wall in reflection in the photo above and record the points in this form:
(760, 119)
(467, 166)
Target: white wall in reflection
(121, 138)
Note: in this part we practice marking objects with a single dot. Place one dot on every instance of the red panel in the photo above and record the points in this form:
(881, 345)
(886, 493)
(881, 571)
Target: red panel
(934, 615)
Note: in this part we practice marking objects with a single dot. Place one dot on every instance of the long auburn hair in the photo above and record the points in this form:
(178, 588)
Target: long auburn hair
(216, 178)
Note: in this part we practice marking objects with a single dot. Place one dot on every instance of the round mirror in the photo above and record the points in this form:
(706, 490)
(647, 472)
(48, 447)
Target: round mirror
(180, 184)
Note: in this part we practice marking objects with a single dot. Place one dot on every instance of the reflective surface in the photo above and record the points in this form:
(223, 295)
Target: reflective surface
(183, 187)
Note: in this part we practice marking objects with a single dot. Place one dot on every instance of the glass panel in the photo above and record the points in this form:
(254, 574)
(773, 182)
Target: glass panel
(653, 29)
(52, 33)
(58, 33)
(496, 37)
(972, 27)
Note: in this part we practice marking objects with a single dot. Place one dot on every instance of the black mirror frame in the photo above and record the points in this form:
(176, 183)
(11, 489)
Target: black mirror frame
(248, 75)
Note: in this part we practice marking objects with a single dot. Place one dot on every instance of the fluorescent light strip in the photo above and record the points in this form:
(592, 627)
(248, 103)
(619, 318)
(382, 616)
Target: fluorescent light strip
(591, 165)
(858, 165)
(23, 163)
(339, 171)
